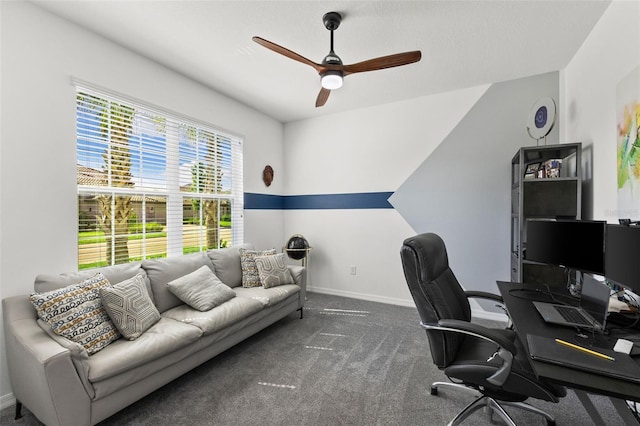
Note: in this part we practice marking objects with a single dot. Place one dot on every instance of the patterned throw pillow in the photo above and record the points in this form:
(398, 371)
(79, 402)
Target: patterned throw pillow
(130, 307)
(201, 289)
(273, 270)
(76, 313)
(250, 277)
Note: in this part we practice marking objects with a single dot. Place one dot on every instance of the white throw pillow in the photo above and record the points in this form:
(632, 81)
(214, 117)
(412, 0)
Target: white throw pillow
(273, 270)
(130, 307)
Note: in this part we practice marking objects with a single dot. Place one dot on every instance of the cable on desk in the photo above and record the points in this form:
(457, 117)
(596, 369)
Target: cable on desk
(538, 295)
(625, 326)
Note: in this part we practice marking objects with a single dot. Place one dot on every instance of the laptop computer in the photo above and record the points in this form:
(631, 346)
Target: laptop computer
(592, 312)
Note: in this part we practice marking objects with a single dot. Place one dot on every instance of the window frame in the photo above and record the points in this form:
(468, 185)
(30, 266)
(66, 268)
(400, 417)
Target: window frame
(179, 133)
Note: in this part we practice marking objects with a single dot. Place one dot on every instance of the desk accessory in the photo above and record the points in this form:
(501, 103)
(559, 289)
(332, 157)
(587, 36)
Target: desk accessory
(583, 349)
(624, 346)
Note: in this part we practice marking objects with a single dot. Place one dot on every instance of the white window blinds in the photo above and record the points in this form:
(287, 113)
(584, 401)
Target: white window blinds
(152, 183)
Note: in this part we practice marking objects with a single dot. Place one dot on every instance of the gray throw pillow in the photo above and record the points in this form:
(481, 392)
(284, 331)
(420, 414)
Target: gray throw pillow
(273, 270)
(226, 263)
(250, 276)
(130, 307)
(201, 289)
(76, 312)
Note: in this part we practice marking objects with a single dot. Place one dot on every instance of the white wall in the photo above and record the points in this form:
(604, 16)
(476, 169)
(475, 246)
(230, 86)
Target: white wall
(446, 158)
(610, 52)
(368, 150)
(40, 53)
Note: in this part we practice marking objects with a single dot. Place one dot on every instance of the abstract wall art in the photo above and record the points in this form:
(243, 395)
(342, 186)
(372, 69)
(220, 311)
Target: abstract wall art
(628, 145)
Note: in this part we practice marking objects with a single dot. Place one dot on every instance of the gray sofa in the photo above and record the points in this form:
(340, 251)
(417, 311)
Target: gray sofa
(61, 384)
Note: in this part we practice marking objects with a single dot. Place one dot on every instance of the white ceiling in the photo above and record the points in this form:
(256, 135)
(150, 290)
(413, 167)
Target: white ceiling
(463, 44)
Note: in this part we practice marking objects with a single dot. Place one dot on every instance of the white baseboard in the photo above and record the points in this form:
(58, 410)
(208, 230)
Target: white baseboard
(362, 296)
(476, 313)
(7, 401)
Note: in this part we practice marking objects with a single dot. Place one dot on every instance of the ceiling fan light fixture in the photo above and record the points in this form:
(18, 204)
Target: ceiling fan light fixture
(331, 80)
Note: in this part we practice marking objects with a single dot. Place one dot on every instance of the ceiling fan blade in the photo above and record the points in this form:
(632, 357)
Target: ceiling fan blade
(322, 97)
(383, 62)
(286, 52)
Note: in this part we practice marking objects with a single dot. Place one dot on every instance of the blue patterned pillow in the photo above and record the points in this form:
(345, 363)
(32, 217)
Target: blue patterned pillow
(130, 307)
(76, 313)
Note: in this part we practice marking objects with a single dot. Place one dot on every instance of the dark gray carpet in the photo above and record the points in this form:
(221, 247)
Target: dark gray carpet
(348, 362)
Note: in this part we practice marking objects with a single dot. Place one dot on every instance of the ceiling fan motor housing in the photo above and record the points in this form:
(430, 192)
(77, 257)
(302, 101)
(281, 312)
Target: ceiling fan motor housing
(332, 59)
(332, 79)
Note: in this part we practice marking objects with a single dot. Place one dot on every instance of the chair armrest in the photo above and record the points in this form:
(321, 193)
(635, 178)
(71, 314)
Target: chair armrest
(506, 348)
(483, 295)
(479, 331)
(490, 296)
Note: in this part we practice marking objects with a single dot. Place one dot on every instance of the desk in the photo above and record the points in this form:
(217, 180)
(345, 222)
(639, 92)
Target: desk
(526, 320)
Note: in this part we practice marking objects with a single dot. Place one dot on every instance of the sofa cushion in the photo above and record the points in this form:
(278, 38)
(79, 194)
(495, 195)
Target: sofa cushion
(217, 318)
(273, 270)
(267, 296)
(250, 277)
(201, 289)
(76, 313)
(226, 263)
(297, 273)
(161, 271)
(115, 274)
(130, 307)
(164, 337)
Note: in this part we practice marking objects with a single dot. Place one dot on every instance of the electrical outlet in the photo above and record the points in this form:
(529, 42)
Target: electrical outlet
(352, 269)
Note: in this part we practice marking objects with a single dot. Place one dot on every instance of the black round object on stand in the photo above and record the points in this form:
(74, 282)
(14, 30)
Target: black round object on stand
(297, 247)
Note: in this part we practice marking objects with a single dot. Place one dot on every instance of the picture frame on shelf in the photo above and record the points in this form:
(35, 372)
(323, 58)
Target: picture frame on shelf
(532, 170)
(552, 168)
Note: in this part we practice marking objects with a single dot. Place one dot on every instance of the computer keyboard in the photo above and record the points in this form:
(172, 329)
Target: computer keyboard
(572, 315)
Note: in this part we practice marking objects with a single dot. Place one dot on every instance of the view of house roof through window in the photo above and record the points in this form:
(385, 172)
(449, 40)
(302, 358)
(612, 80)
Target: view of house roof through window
(152, 184)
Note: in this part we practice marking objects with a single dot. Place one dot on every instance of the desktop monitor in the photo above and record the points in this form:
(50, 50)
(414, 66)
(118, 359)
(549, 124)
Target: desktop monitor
(574, 244)
(622, 256)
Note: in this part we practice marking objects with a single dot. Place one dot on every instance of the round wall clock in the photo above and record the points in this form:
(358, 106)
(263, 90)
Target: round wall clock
(542, 117)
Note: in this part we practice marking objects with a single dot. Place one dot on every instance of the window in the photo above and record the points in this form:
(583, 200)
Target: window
(152, 184)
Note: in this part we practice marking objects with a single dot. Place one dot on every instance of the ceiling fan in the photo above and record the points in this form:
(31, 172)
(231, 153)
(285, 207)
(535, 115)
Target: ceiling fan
(331, 70)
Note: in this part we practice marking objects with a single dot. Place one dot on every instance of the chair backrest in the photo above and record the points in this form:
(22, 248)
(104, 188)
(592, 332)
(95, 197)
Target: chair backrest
(435, 291)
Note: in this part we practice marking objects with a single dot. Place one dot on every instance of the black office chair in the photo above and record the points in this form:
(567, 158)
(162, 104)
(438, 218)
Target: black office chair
(488, 361)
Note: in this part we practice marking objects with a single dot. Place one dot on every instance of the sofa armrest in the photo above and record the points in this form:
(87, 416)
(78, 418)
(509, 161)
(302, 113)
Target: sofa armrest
(41, 371)
(299, 274)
